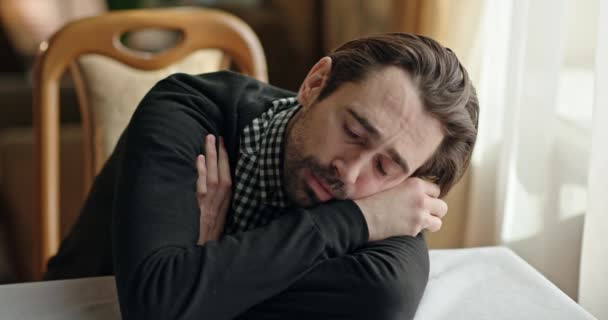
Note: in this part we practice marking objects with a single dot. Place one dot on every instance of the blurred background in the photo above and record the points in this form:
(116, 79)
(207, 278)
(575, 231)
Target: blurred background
(535, 65)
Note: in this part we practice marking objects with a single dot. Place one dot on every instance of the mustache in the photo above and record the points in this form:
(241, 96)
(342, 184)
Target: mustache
(327, 175)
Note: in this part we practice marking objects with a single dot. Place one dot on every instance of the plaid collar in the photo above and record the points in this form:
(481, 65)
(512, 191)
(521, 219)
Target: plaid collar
(258, 176)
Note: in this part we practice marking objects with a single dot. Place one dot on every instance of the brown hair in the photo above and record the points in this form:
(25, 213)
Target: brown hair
(443, 85)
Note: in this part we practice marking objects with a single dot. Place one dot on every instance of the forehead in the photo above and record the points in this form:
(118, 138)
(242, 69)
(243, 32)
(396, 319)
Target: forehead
(388, 94)
(389, 100)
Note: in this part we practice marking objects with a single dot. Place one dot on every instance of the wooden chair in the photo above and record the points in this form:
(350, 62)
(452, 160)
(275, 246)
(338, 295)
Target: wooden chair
(111, 78)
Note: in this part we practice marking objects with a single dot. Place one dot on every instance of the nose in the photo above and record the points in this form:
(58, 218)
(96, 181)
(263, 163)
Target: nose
(349, 170)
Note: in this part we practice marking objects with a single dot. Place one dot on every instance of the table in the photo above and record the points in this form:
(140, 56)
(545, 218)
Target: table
(479, 283)
(491, 283)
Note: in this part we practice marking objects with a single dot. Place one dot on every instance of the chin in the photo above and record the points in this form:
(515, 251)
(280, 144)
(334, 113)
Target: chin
(304, 198)
(306, 202)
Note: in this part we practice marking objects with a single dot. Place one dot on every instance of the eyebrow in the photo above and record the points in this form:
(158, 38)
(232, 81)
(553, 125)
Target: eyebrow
(369, 127)
(365, 123)
(399, 160)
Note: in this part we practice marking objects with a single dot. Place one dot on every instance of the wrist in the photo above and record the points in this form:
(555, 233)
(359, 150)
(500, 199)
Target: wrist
(370, 219)
(341, 224)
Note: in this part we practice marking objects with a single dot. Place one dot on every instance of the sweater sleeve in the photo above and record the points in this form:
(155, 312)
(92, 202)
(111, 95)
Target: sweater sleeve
(160, 272)
(381, 280)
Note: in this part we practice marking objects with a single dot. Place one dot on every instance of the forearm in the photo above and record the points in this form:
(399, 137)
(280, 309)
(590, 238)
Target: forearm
(381, 280)
(222, 279)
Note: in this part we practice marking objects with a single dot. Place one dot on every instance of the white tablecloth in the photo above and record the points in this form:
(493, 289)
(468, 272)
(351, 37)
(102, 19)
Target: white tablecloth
(491, 283)
(481, 283)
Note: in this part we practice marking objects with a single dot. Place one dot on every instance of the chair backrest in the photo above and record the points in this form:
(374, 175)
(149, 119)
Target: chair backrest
(111, 78)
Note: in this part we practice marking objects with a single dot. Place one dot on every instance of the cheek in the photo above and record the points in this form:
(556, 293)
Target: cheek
(325, 138)
(318, 144)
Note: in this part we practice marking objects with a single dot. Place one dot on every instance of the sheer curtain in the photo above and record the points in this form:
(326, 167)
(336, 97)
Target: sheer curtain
(528, 187)
(594, 261)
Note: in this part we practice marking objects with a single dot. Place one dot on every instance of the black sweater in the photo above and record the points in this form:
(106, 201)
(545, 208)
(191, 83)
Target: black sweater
(140, 222)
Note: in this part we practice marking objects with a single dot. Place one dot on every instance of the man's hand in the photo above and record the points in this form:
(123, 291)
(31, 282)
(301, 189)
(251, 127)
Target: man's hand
(404, 210)
(213, 190)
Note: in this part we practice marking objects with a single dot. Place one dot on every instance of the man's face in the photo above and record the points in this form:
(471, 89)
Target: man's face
(364, 138)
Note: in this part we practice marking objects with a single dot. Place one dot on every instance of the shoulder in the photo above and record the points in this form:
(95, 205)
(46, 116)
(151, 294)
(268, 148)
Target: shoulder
(221, 102)
(223, 85)
(223, 89)
(225, 94)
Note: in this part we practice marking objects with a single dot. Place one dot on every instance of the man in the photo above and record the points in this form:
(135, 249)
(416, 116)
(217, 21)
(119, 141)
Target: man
(324, 196)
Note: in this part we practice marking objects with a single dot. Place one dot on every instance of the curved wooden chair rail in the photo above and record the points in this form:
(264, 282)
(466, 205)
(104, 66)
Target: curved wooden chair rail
(200, 29)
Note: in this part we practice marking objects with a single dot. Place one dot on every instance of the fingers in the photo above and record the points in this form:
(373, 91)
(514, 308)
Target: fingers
(201, 182)
(216, 164)
(422, 185)
(432, 189)
(437, 207)
(224, 166)
(215, 180)
(433, 224)
(210, 151)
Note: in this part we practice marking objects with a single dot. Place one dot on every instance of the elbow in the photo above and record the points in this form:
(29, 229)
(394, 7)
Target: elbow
(404, 293)
(138, 301)
(160, 287)
(398, 294)
(396, 300)
(153, 300)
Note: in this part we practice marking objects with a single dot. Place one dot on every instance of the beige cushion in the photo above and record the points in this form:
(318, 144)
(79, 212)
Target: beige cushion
(113, 91)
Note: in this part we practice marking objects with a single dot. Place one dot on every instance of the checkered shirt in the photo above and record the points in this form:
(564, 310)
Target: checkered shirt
(258, 184)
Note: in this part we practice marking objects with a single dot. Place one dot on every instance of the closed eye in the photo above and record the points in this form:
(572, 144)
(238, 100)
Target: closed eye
(380, 168)
(351, 134)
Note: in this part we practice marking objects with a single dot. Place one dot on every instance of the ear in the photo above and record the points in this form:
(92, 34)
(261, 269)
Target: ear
(314, 82)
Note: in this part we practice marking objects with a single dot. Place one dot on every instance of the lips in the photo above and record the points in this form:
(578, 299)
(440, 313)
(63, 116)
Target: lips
(322, 192)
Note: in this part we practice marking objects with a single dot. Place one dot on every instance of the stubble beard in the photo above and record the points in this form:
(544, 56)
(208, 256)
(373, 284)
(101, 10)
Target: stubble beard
(296, 163)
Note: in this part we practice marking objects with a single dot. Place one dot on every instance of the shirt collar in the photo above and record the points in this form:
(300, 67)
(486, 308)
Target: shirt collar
(272, 145)
(258, 182)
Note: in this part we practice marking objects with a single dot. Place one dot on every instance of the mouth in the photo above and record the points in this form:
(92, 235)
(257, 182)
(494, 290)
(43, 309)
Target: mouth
(316, 184)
